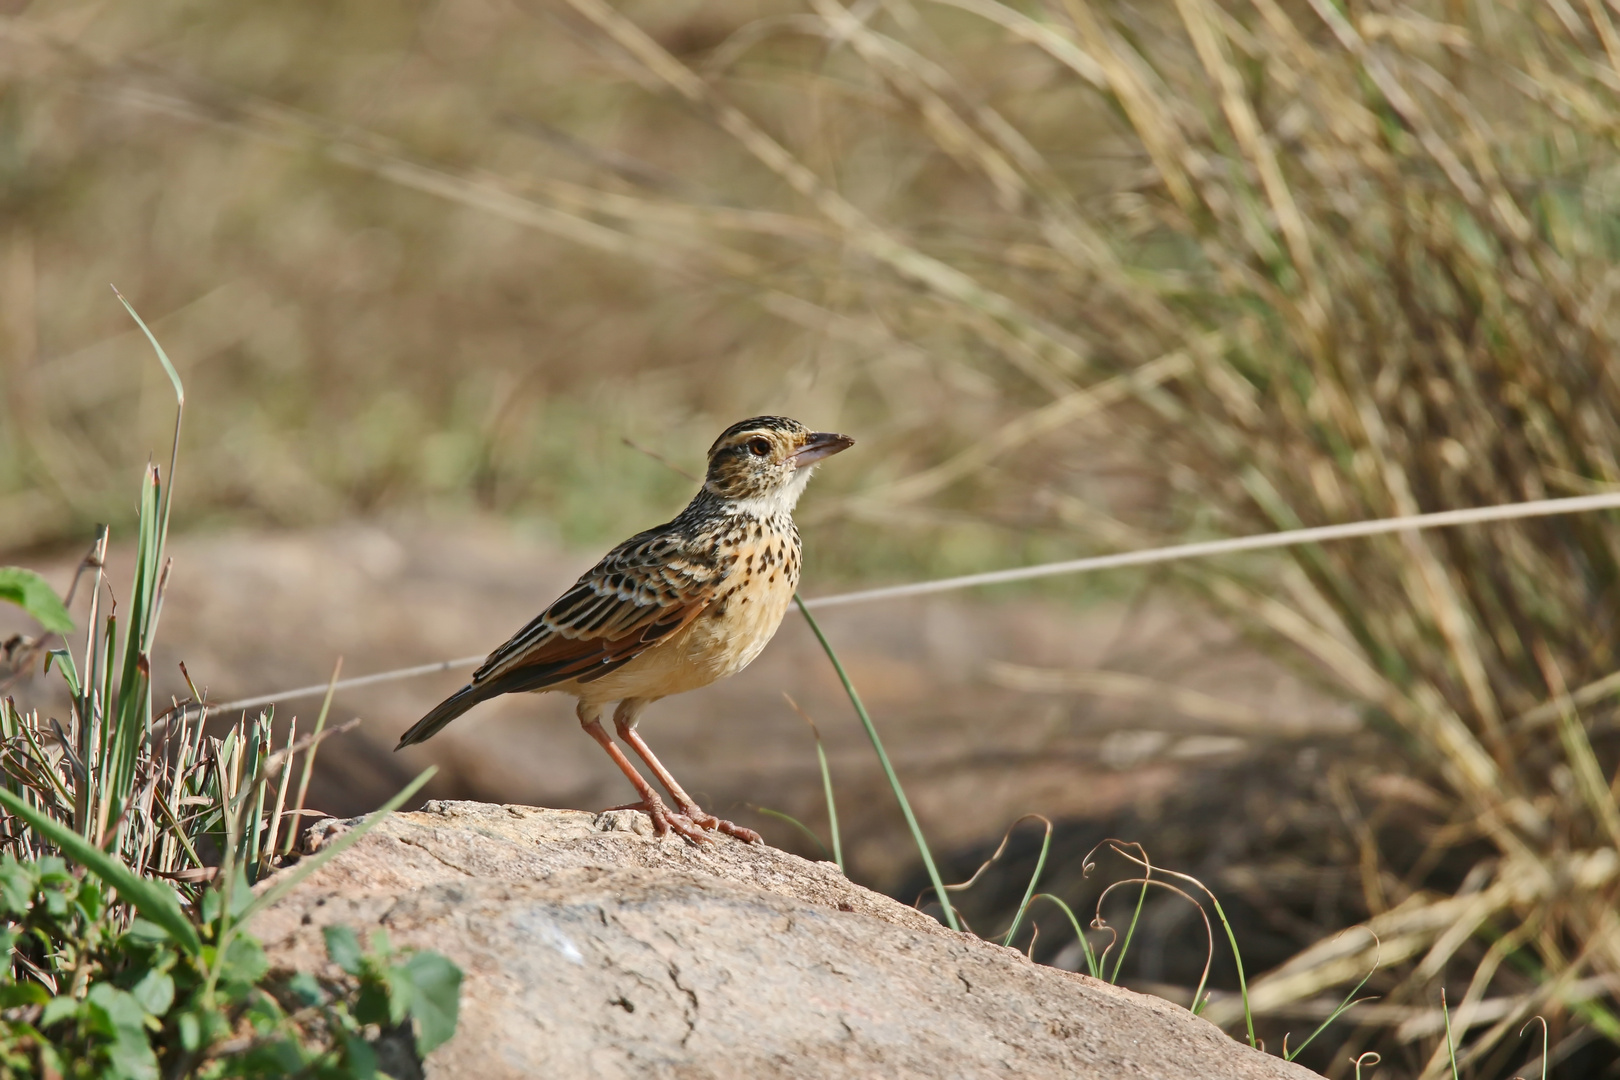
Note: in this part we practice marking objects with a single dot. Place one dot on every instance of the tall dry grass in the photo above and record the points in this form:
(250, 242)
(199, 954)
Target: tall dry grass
(1093, 276)
(1344, 265)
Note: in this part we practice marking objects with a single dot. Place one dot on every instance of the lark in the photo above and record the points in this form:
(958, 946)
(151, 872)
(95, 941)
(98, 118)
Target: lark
(669, 610)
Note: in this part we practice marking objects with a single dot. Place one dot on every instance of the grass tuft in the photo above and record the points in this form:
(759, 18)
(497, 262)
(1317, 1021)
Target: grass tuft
(178, 825)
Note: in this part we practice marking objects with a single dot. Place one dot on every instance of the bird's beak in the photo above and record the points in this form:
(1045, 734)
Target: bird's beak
(821, 444)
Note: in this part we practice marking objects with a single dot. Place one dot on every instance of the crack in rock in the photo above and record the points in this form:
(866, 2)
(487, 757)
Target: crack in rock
(411, 841)
(691, 996)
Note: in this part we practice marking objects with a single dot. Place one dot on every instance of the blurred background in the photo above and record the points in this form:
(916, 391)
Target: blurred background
(459, 290)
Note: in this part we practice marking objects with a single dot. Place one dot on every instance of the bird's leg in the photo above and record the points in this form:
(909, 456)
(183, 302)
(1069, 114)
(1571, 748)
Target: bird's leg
(624, 722)
(590, 718)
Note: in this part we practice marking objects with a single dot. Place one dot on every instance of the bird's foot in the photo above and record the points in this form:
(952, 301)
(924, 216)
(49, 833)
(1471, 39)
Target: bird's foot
(703, 820)
(666, 821)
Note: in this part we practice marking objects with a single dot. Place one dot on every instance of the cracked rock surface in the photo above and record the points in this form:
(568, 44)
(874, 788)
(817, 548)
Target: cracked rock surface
(593, 949)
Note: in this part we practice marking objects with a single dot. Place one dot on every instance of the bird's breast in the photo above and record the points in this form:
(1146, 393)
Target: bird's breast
(762, 561)
(742, 619)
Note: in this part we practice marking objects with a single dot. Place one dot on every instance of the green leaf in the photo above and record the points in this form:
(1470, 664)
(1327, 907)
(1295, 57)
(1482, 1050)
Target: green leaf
(17, 885)
(436, 1002)
(64, 660)
(281, 1057)
(58, 1009)
(56, 903)
(190, 1031)
(155, 992)
(241, 897)
(306, 988)
(372, 1004)
(89, 899)
(362, 1059)
(130, 1057)
(18, 994)
(145, 933)
(213, 1025)
(245, 961)
(34, 595)
(343, 947)
(115, 1009)
(155, 901)
(117, 1015)
(401, 994)
(209, 908)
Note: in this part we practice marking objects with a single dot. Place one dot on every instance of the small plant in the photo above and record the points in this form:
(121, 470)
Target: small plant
(136, 961)
(132, 1003)
(393, 987)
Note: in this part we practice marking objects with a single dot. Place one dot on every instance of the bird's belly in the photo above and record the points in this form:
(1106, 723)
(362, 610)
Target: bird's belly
(718, 643)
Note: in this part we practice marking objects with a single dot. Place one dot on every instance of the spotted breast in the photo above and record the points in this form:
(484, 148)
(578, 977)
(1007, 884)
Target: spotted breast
(758, 558)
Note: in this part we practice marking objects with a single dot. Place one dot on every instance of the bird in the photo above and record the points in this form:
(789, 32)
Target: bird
(671, 609)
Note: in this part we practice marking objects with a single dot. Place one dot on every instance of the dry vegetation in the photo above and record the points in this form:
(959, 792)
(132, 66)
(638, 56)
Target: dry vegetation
(1084, 275)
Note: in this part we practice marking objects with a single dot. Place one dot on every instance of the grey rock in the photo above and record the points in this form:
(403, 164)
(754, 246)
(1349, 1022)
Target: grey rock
(593, 949)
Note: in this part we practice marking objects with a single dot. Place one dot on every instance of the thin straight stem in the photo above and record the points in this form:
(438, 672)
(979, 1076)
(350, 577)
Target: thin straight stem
(888, 769)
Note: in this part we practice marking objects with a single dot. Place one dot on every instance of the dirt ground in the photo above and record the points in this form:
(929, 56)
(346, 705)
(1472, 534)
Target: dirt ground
(254, 612)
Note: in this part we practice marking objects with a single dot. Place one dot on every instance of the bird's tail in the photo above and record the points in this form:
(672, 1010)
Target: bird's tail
(442, 713)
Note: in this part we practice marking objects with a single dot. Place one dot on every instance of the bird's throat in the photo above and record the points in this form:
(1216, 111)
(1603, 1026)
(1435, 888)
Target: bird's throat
(778, 502)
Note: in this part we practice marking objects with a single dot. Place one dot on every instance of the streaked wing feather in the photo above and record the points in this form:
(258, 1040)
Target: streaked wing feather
(641, 592)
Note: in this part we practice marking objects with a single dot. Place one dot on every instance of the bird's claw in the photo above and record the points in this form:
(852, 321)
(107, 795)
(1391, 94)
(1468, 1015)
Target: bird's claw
(690, 822)
(704, 820)
(666, 821)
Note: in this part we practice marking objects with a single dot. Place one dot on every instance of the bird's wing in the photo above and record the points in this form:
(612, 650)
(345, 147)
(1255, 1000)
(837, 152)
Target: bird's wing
(642, 591)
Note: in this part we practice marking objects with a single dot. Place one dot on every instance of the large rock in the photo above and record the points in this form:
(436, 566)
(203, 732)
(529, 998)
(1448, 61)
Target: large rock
(593, 949)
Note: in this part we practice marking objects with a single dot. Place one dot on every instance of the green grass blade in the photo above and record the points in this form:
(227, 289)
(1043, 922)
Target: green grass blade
(309, 760)
(832, 807)
(279, 805)
(826, 787)
(1130, 932)
(1029, 893)
(255, 782)
(148, 625)
(1451, 1047)
(1085, 945)
(174, 828)
(64, 660)
(1350, 1000)
(156, 903)
(888, 769)
(130, 715)
(37, 752)
(1237, 959)
(163, 357)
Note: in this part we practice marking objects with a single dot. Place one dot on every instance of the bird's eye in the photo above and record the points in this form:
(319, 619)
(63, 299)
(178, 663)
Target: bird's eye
(759, 447)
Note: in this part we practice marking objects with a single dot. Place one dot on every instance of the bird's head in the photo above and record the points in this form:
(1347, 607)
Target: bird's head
(769, 459)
